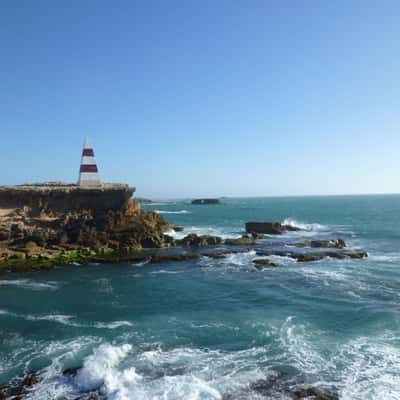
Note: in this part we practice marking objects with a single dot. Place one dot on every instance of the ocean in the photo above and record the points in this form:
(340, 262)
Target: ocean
(212, 328)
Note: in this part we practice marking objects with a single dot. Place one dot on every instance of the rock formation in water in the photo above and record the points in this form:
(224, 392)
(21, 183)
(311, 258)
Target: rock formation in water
(206, 201)
(269, 228)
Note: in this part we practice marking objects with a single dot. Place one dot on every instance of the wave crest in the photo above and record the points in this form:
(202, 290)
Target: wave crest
(303, 226)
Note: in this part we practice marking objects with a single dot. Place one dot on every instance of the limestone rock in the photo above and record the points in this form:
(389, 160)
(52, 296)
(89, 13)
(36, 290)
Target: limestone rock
(332, 243)
(270, 228)
(193, 240)
(261, 263)
(245, 240)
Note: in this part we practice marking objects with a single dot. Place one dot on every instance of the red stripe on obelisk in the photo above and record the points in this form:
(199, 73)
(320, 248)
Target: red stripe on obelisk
(88, 152)
(88, 168)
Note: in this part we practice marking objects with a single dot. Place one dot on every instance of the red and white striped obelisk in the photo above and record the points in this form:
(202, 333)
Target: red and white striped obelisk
(88, 173)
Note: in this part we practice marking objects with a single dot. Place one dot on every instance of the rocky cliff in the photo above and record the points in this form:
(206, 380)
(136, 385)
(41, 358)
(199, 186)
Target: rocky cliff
(61, 198)
(43, 222)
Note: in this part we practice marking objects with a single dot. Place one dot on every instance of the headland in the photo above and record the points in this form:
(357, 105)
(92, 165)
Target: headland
(57, 223)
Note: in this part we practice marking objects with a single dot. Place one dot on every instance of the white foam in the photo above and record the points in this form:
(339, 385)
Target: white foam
(362, 368)
(30, 284)
(158, 203)
(164, 271)
(112, 325)
(53, 385)
(224, 233)
(172, 212)
(301, 352)
(141, 263)
(304, 226)
(67, 320)
(342, 277)
(100, 371)
(230, 260)
(121, 373)
(388, 258)
(372, 370)
(60, 318)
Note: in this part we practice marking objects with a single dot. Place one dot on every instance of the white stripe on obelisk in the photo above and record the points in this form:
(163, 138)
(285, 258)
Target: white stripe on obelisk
(88, 172)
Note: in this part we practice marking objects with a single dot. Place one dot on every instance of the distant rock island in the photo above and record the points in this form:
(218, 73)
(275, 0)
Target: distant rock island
(206, 201)
(143, 200)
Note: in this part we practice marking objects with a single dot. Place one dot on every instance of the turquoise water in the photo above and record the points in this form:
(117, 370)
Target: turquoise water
(205, 329)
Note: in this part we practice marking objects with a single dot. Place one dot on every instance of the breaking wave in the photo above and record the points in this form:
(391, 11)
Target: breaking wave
(303, 226)
(224, 233)
(360, 368)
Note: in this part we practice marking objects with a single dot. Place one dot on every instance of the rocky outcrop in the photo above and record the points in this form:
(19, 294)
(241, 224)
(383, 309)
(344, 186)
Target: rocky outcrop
(261, 263)
(327, 244)
(20, 387)
(184, 256)
(277, 387)
(194, 240)
(269, 228)
(32, 233)
(315, 255)
(206, 201)
(357, 254)
(244, 240)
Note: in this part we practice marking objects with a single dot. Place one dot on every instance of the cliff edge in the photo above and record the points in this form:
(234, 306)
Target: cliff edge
(56, 224)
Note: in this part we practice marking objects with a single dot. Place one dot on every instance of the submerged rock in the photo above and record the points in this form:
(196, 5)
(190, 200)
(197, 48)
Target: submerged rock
(245, 240)
(329, 243)
(20, 387)
(279, 386)
(261, 263)
(358, 254)
(270, 228)
(316, 255)
(314, 393)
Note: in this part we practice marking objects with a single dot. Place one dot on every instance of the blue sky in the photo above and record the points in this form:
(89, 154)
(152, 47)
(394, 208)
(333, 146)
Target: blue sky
(204, 98)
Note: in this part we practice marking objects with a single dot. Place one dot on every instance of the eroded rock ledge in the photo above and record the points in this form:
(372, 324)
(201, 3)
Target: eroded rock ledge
(45, 225)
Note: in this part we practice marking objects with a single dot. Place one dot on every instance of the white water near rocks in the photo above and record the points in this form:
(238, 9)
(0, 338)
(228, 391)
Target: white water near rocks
(209, 328)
